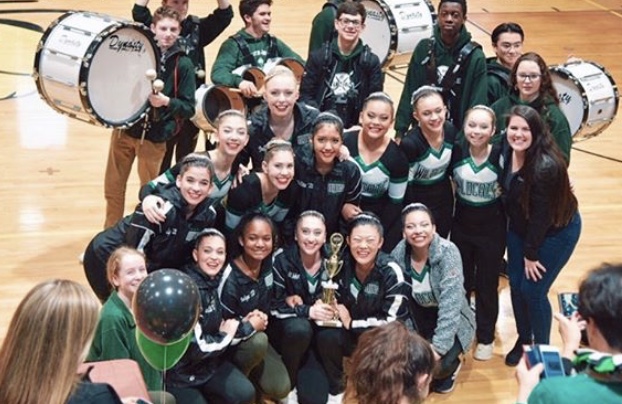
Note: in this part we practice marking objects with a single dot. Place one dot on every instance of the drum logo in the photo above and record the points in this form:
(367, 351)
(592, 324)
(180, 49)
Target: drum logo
(65, 40)
(407, 16)
(375, 15)
(119, 44)
(564, 98)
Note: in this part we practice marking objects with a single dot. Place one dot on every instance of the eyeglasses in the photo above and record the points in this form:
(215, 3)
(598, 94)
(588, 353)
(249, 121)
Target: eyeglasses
(507, 46)
(347, 21)
(531, 77)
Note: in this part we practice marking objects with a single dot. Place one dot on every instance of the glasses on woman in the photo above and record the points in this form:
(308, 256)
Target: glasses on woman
(531, 77)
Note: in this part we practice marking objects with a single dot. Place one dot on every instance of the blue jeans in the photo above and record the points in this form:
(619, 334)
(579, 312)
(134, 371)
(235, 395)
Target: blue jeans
(532, 310)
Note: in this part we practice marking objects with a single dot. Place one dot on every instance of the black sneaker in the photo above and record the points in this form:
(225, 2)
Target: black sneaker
(447, 385)
(514, 356)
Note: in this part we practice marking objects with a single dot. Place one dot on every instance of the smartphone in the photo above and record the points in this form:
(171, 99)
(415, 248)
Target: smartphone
(549, 356)
(568, 303)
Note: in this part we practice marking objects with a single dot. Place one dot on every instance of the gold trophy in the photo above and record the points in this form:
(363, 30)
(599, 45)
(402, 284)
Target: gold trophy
(333, 266)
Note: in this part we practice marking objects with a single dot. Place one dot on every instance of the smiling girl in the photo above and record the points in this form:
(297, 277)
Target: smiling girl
(165, 245)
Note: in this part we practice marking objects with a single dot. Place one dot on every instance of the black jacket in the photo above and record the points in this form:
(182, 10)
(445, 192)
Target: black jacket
(240, 294)
(290, 278)
(380, 299)
(208, 343)
(364, 73)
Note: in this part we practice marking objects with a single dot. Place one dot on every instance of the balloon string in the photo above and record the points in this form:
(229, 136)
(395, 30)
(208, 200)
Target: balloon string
(163, 392)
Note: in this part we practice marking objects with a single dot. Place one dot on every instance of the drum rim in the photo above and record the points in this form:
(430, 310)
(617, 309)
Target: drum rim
(562, 68)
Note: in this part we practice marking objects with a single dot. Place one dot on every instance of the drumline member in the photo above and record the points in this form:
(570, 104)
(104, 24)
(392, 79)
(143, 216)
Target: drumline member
(544, 223)
(384, 168)
(428, 149)
(479, 224)
(438, 305)
(449, 60)
(245, 293)
(298, 272)
(325, 183)
(282, 116)
(196, 33)
(204, 365)
(343, 72)
(372, 292)
(167, 244)
(271, 191)
(250, 46)
(231, 136)
(146, 140)
(323, 25)
(532, 85)
(507, 42)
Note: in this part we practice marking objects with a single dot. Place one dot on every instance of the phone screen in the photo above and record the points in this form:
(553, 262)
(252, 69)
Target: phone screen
(568, 303)
(552, 364)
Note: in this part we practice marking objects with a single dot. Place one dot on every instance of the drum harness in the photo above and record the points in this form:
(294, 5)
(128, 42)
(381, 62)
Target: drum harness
(329, 71)
(452, 74)
(273, 50)
(190, 44)
(500, 72)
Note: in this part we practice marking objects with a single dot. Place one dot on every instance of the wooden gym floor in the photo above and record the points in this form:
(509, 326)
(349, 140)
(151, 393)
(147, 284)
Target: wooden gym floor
(52, 167)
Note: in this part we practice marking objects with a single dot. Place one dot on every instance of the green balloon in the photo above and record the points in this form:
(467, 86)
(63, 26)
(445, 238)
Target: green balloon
(162, 356)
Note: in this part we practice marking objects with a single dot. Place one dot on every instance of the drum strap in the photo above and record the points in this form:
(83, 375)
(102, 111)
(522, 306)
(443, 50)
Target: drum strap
(454, 71)
(273, 51)
(494, 70)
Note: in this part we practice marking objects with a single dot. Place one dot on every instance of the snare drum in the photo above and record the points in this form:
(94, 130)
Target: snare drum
(395, 27)
(212, 100)
(588, 97)
(292, 64)
(92, 67)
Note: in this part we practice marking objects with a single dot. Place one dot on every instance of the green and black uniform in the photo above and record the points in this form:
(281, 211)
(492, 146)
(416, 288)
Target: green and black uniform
(243, 49)
(468, 89)
(498, 80)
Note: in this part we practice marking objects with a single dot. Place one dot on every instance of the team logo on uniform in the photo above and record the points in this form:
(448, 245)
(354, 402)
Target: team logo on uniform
(342, 83)
(372, 289)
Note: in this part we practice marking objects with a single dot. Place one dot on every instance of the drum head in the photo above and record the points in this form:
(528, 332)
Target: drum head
(218, 99)
(377, 33)
(117, 88)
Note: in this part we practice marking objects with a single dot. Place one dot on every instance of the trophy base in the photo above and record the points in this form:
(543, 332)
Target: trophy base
(329, 323)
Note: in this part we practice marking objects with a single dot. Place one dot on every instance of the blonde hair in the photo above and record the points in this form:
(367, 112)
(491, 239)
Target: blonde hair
(280, 70)
(47, 339)
(114, 261)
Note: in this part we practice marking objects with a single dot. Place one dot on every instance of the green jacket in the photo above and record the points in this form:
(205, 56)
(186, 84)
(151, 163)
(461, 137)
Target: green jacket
(474, 82)
(115, 338)
(576, 389)
(549, 112)
(498, 80)
(230, 57)
(182, 104)
(323, 25)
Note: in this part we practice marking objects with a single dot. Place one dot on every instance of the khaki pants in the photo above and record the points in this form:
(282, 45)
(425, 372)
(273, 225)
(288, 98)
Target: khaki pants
(123, 150)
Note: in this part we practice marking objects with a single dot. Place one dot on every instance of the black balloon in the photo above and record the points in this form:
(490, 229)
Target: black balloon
(166, 305)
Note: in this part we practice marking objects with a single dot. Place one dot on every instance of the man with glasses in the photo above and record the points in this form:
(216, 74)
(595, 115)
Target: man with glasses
(507, 41)
(448, 60)
(250, 46)
(323, 25)
(342, 73)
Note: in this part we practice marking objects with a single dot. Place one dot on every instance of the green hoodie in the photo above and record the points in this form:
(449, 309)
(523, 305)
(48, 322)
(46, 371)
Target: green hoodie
(473, 90)
(498, 86)
(549, 112)
(230, 57)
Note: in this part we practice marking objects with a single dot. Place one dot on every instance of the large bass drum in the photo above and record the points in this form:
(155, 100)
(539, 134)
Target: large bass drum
(92, 67)
(588, 97)
(393, 28)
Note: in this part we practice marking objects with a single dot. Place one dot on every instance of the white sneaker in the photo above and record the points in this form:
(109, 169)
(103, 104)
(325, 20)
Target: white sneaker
(292, 397)
(483, 352)
(337, 399)
(81, 258)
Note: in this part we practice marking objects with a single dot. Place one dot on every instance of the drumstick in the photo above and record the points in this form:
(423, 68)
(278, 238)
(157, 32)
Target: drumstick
(158, 85)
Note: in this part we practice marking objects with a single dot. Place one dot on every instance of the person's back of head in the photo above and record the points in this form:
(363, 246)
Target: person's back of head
(390, 364)
(47, 339)
(600, 304)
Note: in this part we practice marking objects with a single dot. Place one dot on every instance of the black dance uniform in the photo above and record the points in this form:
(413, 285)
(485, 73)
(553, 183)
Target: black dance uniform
(429, 175)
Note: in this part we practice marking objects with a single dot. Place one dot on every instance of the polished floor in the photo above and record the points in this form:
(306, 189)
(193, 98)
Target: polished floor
(52, 166)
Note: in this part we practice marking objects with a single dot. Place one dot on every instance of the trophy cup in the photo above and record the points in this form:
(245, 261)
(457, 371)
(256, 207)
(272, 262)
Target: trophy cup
(333, 265)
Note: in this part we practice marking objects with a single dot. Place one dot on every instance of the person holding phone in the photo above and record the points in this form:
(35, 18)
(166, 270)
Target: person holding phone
(599, 370)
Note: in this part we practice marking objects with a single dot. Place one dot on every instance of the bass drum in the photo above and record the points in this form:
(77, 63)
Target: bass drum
(211, 100)
(393, 28)
(92, 67)
(588, 97)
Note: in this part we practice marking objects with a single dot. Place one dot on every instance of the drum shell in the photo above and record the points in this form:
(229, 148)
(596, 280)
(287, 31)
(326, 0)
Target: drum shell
(92, 67)
(393, 28)
(211, 100)
(588, 95)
